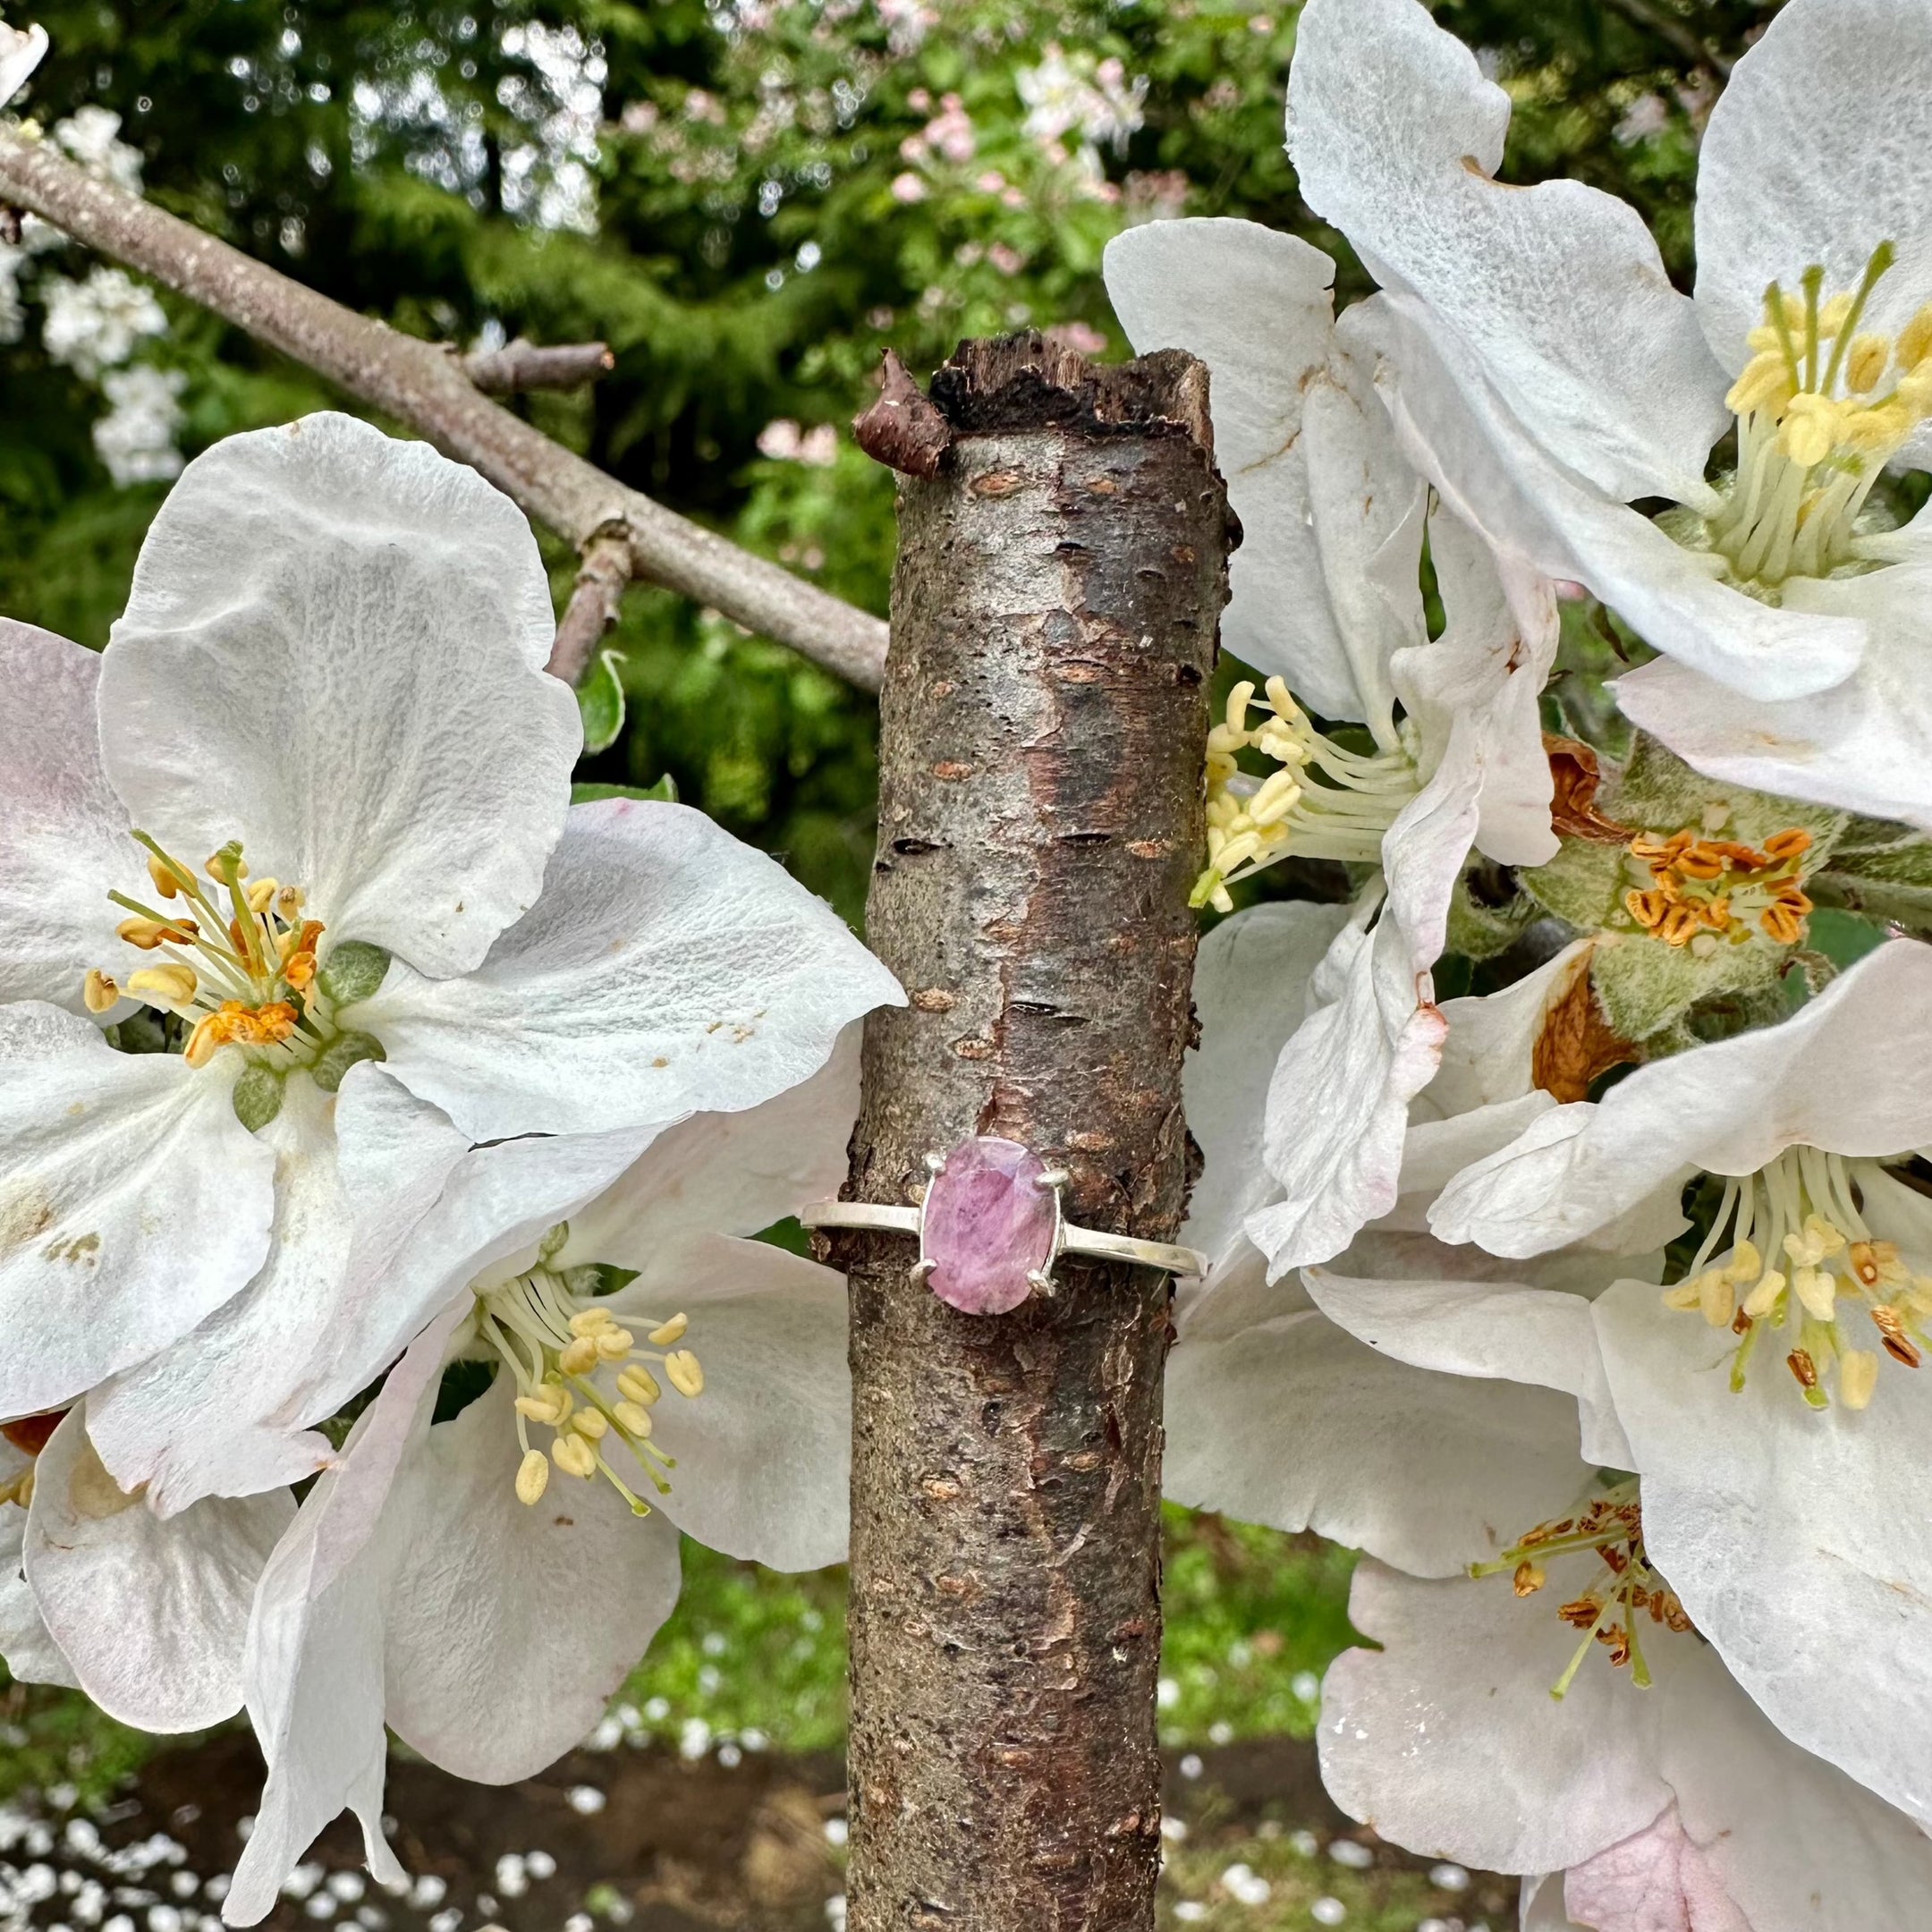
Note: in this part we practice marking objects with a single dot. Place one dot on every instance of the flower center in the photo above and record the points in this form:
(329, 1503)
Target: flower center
(1821, 407)
(1706, 892)
(1797, 1251)
(244, 977)
(1322, 801)
(581, 1374)
(1624, 1590)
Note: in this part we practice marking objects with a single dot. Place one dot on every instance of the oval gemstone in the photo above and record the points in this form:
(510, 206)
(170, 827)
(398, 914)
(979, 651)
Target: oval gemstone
(988, 1225)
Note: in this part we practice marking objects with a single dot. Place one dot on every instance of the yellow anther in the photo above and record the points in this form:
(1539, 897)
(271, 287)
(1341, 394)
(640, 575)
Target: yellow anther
(99, 991)
(167, 986)
(1716, 1298)
(613, 1344)
(289, 901)
(1810, 429)
(574, 1456)
(1763, 1298)
(1816, 1291)
(147, 933)
(261, 895)
(1832, 315)
(1915, 339)
(165, 883)
(633, 1420)
(1865, 362)
(591, 1423)
(1765, 384)
(1858, 1377)
(532, 1476)
(1815, 1242)
(637, 1384)
(588, 1321)
(579, 1356)
(208, 1036)
(1236, 715)
(665, 1333)
(1279, 794)
(226, 867)
(687, 1377)
(549, 1405)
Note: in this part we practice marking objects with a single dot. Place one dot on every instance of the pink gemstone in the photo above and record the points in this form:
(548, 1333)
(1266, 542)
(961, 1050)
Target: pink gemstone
(988, 1225)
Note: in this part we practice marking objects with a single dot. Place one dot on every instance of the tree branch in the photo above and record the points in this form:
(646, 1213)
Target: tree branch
(593, 607)
(522, 365)
(1040, 818)
(421, 385)
(1675, 33)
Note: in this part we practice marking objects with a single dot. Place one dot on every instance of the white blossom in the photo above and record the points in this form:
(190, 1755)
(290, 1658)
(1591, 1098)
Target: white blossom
(1550, 375)
(330, 678)
(136, 438)
(95, 325)
(91, 136)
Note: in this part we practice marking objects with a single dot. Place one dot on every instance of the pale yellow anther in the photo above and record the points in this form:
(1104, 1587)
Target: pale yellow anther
(1716, 1298)
(1832, 315)
(1765, 384)
(1810, 429)
(204, 1042)
(1685, 1295)
(1762, 338)
(1236, 715)
(219, 865)
(99, 991)
(591, 1423)
(579, 1356)
(637, 1384)
(574, 1456)
(144, 933)
(1763, 1298)
(633, 1420)
(1816, 1291)
(613, 1344)
(549, 1405)
(289, 903)
(1275, 799)
(1858, 1377)
(1865, 362)
(588, 1321)
(165, 986)
(163, 874)
(1915, 339)
(665, 1333)
(532, 1476)
(687, 1377)
(1234, 852)
(1815, 1242)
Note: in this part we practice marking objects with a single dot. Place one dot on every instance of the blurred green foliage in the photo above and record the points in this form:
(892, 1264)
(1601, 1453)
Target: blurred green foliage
(750, 200)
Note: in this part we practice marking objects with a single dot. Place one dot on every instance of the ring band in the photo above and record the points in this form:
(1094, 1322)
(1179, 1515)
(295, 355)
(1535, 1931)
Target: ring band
(1168, 1255)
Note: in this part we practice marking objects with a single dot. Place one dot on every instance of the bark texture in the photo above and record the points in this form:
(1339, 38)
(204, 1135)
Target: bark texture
(1054, 614)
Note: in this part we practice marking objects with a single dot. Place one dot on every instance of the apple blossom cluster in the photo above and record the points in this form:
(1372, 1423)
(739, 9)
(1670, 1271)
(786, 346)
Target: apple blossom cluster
(1589, 1302)
(380, 1135)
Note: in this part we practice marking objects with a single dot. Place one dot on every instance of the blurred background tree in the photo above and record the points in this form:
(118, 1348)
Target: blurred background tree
(750, 200)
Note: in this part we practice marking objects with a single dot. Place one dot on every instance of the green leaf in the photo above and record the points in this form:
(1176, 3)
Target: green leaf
(1882, 870)
(355, 970)
(257, 1097)
(341, 1053)
(664, 792)
(601, 700)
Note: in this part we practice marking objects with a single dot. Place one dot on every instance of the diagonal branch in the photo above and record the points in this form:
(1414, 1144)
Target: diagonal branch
(420, 385)
(522, 365)
(1675, 33)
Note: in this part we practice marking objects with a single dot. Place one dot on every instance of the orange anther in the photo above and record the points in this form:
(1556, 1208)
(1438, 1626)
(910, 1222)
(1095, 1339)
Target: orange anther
(1743, 857)
(1647, 907)
(1680, 926)
(1648, 845)
(1792, 844)
(1783, 924)
(300, 970)
(1701, 862)
(276, 1020)
(1799, 1361)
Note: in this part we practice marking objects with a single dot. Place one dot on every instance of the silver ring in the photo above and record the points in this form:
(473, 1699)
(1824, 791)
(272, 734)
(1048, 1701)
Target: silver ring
(990, 1282)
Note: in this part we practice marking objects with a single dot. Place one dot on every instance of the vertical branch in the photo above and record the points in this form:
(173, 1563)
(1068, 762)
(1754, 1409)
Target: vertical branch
(1062, 563)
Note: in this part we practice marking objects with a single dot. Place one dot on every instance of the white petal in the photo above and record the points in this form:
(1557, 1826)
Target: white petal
(333, 651)
(763, 1454)
(1496, 479)
(1865, 745)
(63, 836)
(1338, 1108)
(1796, 1539)
(1850, 1072)
(727, 1173)
(132, 1203)
(220, 1412)
(314, 1661)
(1251, 981)
(1463, 1327)
(1264, 335)
(152, 1613)
(30, 1654)
(510, 1627)
(668, 970)
(1490, 1053)
(1485, 674)
(1437, 1151)
(1811, 157)
(20, 52)
(1558, 291)
(1448, 1740)
(1295, 1424)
